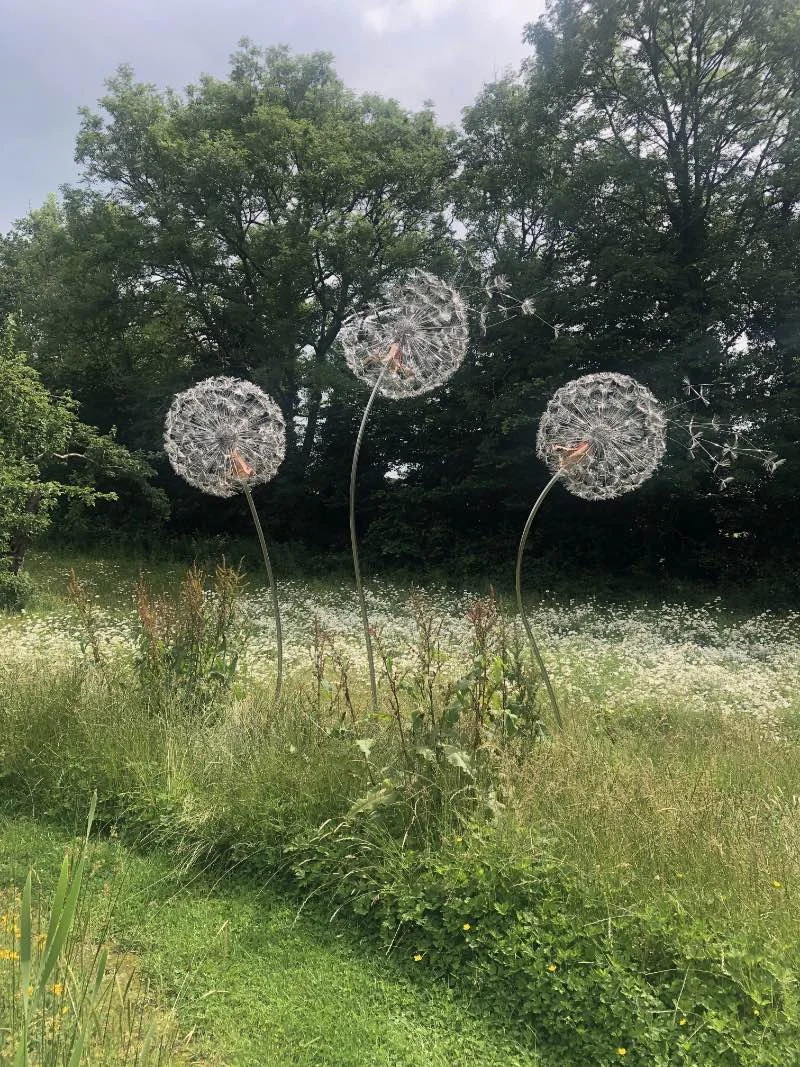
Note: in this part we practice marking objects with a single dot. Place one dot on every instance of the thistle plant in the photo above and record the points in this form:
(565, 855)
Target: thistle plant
(406, 345)
(602, 435)
(223, 436)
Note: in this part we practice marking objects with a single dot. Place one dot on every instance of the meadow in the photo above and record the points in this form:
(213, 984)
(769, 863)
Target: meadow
(623, 890)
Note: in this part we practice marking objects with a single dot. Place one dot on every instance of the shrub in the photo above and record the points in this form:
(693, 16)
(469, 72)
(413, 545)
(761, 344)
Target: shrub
(15, 590)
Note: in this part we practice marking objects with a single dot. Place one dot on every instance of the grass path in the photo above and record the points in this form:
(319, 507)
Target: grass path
(252, 983)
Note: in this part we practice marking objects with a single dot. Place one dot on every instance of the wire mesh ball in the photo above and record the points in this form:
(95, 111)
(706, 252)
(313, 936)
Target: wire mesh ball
(606, 434)
(224, 434)
(417, 338)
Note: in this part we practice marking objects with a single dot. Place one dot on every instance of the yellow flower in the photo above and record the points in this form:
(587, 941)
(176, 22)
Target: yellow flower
(756, 1011)
(682, 1022)
(459, 840)
(418, 957)
(466, 926)
(622, 1051)
(776, 885)
(551, 967)
(58, 989)
(8, 954)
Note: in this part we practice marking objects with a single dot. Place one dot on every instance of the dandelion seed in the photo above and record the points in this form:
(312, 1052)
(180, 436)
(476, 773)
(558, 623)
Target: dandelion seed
(224, 434)
(413, 341)
(613, 424)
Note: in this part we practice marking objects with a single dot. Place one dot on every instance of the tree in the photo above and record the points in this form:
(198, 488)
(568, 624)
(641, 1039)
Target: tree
(39, 435)
(269, 206)
(640, 174)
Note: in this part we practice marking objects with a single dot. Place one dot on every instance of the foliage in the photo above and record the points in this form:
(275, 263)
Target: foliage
(636, 177)
(230, 230)
(540, 946)
(15, 590)
(493, 905)
(189, 641)
(635, 180)
(58, 998)
(39, 432)
(189, 647)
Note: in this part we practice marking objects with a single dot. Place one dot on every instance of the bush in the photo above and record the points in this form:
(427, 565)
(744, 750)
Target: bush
(544, 950)
(16, 590)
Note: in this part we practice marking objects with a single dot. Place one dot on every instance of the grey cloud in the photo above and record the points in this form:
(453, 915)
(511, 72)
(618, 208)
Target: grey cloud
(54, 57)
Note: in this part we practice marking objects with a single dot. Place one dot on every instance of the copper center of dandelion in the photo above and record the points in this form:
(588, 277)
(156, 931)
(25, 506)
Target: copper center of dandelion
(241, 468)
(572, 455)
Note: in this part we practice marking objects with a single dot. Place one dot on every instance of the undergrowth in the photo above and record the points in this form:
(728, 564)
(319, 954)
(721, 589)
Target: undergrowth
(631, 891)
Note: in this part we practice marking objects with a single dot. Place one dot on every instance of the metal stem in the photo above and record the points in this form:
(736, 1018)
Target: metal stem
(276, 611)
(354, 543)
(534, 647)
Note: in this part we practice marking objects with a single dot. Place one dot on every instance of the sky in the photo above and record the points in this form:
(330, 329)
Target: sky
(56, 54)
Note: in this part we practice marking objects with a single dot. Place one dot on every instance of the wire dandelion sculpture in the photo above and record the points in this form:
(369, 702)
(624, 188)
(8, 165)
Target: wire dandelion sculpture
(407, 345)
(602, 435)
(223, 436)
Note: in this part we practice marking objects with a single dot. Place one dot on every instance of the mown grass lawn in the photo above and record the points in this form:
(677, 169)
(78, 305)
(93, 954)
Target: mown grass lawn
(253, 982)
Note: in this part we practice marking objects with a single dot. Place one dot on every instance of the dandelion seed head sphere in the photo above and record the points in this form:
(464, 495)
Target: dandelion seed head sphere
(419, 334)
(224, 434)
(606, 434)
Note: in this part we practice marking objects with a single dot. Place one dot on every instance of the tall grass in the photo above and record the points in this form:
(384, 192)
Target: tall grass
(64, 998)
(704, 810)
(659, 844)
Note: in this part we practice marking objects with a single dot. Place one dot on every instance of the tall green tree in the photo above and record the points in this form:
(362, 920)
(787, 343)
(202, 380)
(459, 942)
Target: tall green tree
(640, 176)
(270, 205)
(41, 437)
(230, 229)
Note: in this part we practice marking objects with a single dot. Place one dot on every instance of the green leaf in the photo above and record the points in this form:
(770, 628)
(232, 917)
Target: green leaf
(456, 757)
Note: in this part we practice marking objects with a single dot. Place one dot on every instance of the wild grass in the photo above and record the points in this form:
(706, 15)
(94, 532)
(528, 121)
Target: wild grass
(64, 998)
(241, 977)
(666, 813)
(702, 809)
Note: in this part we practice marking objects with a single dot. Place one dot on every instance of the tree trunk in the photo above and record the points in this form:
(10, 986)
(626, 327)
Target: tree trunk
(21, 542)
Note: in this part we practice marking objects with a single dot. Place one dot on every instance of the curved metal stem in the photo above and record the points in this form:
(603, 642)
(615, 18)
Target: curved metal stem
(276, 611)
(354, 543)
(534, 647)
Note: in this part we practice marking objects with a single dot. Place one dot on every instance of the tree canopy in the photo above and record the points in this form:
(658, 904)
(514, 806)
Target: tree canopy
(637, 180)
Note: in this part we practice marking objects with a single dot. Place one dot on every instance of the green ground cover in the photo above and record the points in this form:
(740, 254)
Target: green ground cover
(626, 889)
(249, 979)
